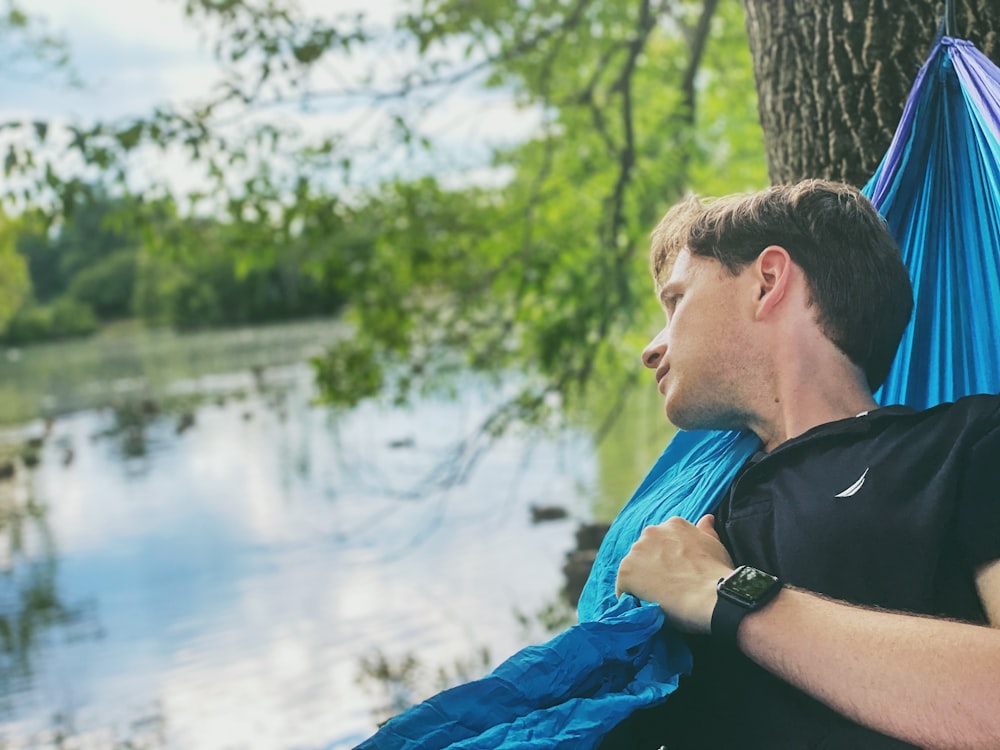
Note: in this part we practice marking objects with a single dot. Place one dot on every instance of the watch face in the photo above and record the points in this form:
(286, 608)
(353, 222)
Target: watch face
(747, 585)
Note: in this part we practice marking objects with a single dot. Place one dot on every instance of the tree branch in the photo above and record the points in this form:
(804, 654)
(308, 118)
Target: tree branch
(626, 157)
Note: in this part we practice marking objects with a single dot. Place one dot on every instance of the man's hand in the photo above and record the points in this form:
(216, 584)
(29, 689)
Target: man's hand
(677, 565)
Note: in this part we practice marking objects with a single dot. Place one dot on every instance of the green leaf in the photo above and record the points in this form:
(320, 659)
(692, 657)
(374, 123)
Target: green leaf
(129, 137)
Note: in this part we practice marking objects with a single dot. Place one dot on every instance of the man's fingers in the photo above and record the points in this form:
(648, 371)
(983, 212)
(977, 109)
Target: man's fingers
(707, 524)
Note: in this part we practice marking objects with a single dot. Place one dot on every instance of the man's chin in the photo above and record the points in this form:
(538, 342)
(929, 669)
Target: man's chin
(678, 416)
(689, 417)
(682, 423)
(678, 411)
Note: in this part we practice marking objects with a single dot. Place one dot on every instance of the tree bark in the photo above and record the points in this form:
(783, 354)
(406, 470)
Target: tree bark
(833, 75)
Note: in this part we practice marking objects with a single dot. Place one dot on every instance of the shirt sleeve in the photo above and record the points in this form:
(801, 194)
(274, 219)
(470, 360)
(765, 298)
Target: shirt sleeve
(979, 500)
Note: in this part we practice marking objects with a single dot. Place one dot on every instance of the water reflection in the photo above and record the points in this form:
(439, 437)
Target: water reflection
(233, 554)
(401, 682)
(30, 604)
(397, 683)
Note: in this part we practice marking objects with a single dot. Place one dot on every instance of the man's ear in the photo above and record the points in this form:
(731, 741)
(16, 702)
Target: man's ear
(772, 275)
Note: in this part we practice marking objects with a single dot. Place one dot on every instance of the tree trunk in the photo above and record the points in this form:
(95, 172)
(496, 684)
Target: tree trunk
(833, 75)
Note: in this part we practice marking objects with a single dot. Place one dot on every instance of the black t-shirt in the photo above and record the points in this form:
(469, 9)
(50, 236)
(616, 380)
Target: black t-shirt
(893, 509)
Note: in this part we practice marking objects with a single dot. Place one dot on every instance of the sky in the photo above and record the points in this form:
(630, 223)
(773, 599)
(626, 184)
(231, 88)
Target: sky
(132, 57)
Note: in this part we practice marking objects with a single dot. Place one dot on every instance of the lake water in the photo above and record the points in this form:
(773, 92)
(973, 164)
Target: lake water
(203, 557)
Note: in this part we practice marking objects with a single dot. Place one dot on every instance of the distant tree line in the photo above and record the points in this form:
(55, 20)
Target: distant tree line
(102, 265)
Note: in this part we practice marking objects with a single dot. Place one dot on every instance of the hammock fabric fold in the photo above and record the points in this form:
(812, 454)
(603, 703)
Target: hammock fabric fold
(938, 187)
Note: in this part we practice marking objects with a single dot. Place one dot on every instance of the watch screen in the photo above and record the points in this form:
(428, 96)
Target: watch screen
(749, 584)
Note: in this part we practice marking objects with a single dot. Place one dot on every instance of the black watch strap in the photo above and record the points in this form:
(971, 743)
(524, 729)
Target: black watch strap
(726, 619)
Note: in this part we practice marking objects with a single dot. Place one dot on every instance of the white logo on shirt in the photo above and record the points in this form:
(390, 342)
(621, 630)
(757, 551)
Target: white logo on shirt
(853, 489)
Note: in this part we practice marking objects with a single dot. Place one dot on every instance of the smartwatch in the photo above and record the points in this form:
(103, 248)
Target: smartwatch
(743, 591)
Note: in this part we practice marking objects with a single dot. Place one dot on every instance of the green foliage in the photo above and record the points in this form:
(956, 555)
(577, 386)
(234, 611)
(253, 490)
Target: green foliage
(165, 293)
(117, 258)
(106, 287)
(64, 318)
(14, 282)
(203, 280)
(351, 371)
(41, 261)
(728, 140)
(96, 239)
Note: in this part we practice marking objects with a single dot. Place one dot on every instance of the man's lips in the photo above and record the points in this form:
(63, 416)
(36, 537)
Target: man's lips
(661, 373)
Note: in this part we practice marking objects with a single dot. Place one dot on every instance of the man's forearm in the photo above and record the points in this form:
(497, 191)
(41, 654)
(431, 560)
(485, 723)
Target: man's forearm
(934, 683)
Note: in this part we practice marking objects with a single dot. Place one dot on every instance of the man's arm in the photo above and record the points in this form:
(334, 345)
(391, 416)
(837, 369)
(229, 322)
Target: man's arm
(935, 683)
(988, 584)
(931, 682)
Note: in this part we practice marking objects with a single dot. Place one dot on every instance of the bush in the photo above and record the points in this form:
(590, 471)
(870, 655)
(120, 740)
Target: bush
(106, 287)
(64, 318)
(71, 317)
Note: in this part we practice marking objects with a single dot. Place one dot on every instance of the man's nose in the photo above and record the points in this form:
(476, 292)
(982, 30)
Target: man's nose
(655, 350)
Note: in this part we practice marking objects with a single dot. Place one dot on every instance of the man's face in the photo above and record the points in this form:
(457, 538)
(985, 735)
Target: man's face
(698, 356)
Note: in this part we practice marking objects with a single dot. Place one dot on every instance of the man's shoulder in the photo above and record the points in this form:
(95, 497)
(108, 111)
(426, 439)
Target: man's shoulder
(947, 428)
(979, 409)
(953, 426)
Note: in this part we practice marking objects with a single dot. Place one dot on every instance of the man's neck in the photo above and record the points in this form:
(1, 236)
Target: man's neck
(790, 425)
(796, 402)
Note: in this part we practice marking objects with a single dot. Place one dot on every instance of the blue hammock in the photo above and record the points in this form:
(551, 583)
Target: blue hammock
(938, 187)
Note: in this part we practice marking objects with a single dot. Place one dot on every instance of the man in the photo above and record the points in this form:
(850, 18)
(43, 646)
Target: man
(881, 527)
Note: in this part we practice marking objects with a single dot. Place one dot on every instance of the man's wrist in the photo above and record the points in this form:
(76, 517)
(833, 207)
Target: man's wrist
(707, 597)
